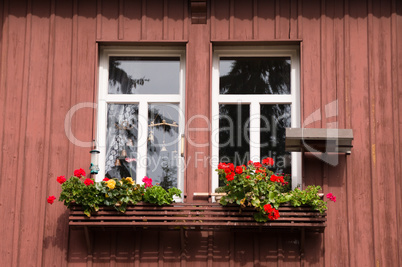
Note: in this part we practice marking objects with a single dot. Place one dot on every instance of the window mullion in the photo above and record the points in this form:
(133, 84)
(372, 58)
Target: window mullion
(263, 99)
(102, 115)
(142, 141)
(254, 131)
(101, 138)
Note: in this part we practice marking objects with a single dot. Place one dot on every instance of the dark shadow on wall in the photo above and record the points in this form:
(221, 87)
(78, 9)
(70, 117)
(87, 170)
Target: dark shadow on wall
(151, 247)
(155, 10)
(317, 170)
(61, 238)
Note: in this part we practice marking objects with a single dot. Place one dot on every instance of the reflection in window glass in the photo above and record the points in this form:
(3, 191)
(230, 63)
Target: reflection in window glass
(234, 134)
(144, 75)
(121, 140)
(254, 75)
(163, 144)
(274, 121)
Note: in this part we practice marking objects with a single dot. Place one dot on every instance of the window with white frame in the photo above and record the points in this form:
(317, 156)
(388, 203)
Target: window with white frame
(140, 114)
(255, 97)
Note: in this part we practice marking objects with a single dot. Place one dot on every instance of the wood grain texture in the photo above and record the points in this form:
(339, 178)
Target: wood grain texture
(11, 92)
(382, 124)
(55, 239)
(397, 26)
(198, 93)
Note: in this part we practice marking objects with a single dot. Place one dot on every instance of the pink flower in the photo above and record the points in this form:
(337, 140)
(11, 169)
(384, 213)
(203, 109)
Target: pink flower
(147, 181)
(51, 199)
(79, 173)
(331, 197)
(88, 182)
(61, 179)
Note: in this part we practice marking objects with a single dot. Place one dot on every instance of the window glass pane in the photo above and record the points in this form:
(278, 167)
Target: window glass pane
(163, 144)
(234, 133)
(121, 140)
(254, 75)
(274, 121)
(144, 75)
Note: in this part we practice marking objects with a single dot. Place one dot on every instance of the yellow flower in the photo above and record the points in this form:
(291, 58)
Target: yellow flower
(111, 184)
(130, 180)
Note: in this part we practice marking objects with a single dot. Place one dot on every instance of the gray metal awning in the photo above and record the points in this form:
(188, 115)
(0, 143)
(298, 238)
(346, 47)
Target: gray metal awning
(319, 140)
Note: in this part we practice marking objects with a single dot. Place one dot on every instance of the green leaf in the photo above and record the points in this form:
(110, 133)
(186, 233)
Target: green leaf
(87, 212)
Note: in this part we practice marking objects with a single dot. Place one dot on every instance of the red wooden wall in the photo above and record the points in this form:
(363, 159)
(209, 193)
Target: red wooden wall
(351, 51)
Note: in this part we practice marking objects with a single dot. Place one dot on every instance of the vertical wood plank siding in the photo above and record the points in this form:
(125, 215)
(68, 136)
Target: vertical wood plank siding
(351, 53)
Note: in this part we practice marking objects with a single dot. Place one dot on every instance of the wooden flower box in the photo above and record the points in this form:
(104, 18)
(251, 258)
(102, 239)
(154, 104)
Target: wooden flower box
(205, 216)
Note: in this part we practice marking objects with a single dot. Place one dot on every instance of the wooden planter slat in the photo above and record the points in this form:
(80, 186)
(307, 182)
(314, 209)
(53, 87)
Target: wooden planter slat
(203, 225)
(190, 219)
(202, 216)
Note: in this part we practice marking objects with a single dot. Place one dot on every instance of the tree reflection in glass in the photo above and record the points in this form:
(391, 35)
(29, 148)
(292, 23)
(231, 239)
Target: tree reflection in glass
(254, 75)
(121, 140)
(274, 120)
(234, 134)
(163, 144)
(144, 75)
(248, 76)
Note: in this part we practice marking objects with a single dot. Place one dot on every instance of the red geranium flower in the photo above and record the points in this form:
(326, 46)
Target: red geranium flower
(257, 164)
(231, 166)
(88, 182)
(278, 179)
(106, 179)
(239, 170)
(79, 173)
(230, 176)
(268, 161)
(51, 199)
(273, 213)
(61, 179)
(221, 166)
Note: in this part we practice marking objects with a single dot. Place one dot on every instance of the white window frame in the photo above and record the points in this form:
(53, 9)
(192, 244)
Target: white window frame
(255, 100)
(142, 100)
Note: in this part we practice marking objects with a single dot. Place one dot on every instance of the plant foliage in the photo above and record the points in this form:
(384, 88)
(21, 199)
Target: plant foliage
(256, 186)
(112, 192)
